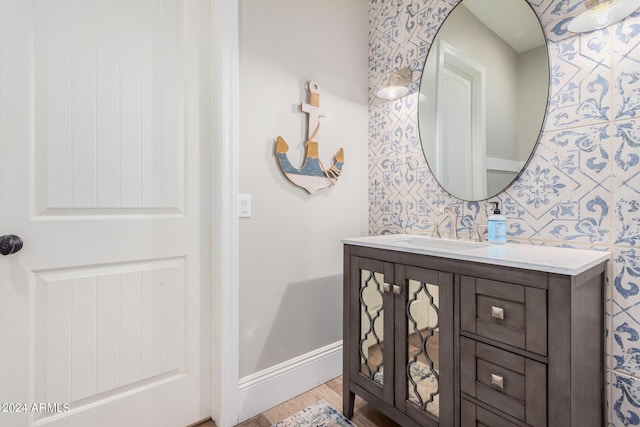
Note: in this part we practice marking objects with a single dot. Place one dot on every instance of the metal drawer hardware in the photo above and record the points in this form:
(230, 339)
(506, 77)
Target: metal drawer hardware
(497, 312)
(498, 381)
(389, 288)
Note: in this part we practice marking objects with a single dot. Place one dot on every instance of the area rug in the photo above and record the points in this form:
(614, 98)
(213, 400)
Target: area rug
(316, 415)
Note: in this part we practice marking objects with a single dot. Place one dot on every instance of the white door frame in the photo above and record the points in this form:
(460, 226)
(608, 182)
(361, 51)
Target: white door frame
(451, 58)
(225, 265)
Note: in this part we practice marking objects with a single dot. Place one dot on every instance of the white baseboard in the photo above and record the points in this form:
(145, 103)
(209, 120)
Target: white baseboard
(272, 386)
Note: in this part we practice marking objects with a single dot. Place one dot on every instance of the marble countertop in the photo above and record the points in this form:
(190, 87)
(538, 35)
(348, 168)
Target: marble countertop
(540, 258)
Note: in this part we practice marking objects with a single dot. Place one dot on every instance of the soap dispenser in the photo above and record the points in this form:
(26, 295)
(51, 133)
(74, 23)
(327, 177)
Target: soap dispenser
(497, 226)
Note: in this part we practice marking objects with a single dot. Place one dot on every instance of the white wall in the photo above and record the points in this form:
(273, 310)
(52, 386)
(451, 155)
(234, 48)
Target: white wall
(497, 180)
(533, 90)
(290, 250)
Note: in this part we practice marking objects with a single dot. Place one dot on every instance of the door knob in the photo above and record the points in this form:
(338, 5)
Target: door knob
(10, 244)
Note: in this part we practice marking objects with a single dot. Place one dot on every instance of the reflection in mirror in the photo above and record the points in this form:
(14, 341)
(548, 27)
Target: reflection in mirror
(483, 96)
(423, 346)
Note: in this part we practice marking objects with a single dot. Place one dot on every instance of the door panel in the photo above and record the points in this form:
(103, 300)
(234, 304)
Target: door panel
(103, 323)
(104, 136)
(456, 144)
(107, 93)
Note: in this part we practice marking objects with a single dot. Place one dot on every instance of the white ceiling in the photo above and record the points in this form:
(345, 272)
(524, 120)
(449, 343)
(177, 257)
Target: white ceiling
(513, 20)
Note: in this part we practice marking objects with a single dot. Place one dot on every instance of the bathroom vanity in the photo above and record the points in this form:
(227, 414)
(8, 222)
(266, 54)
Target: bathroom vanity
(459, 333)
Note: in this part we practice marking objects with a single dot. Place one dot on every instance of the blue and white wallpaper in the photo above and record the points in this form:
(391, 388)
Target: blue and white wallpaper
(581, 187)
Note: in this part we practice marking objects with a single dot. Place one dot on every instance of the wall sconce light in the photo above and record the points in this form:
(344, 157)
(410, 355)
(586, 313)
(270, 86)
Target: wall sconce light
(397, 84)
(602, 13)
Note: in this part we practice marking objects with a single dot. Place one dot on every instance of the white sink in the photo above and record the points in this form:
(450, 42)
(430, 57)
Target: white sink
(437, 244)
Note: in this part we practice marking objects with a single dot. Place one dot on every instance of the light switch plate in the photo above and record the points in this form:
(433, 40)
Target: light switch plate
(244, 205)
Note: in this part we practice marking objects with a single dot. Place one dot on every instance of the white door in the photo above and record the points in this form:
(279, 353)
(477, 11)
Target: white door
(461, 123)
(105, 108)
(456, 142)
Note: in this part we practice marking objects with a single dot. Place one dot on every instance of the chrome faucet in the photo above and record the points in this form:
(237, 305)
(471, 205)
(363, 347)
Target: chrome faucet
(476, 233)
(435, 232)
(453, 222)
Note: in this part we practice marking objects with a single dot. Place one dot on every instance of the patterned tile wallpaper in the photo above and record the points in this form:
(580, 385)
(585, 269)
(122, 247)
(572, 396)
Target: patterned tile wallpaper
(581, 188)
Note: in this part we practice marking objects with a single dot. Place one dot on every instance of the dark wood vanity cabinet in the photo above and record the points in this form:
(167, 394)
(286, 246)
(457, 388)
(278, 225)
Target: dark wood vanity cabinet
(437, 341)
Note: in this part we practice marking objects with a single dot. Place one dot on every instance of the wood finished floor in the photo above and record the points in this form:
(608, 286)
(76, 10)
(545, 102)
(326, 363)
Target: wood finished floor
(364, 415)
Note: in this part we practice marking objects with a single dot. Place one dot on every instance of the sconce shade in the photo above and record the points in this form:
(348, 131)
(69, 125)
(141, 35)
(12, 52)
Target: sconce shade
(397, 84)
(601, 14)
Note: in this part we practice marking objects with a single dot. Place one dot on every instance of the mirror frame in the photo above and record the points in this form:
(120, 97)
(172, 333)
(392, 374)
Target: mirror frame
(433, 48)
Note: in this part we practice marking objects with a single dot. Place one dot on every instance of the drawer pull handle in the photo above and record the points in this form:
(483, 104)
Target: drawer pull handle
(392, 288)
(497, 312)
(389, 288)
(498, 381)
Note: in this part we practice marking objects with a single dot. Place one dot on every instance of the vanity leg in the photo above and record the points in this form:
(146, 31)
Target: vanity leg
(348, 400)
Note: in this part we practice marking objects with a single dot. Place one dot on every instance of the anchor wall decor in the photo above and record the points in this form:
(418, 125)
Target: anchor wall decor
(312, 175)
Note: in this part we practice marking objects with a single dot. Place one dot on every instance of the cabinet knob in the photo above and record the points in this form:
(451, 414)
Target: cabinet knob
(497, 381)
(497, 313)
(397, 289)
(386, 287)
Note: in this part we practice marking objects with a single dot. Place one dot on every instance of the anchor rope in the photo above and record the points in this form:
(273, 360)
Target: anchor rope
(324, 170)
(332, 173)
(313, 135)
(314, 99)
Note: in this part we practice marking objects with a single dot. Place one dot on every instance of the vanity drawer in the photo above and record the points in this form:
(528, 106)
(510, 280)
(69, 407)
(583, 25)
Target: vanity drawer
(511, 383)
(472, 415)
(508, 313)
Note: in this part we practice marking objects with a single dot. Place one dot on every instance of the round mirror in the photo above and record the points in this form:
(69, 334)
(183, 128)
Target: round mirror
(483, 96)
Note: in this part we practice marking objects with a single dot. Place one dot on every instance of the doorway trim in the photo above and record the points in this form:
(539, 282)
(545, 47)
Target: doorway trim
(451, 59)
(225, 225)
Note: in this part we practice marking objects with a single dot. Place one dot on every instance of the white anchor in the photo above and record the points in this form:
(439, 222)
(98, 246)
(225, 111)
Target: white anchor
(312, 175)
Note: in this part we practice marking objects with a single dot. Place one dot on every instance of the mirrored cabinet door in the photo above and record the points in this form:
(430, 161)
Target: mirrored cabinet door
(372, 325)
(424, 316)
(372, 319)
(401, 323)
